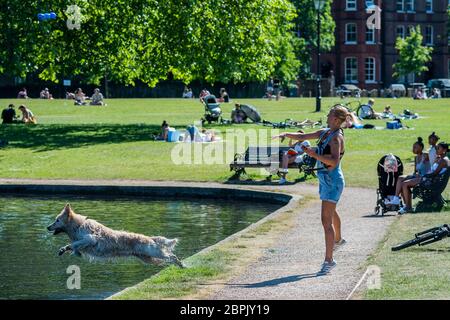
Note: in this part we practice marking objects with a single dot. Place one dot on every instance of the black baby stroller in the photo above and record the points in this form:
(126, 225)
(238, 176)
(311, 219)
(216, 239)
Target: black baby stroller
(389, 168)
(213, 112)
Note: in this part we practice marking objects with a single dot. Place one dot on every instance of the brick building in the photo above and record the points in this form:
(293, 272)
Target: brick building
(365, 57)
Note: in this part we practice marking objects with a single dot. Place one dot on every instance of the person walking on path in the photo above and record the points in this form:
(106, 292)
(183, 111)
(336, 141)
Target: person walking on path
(329, 152)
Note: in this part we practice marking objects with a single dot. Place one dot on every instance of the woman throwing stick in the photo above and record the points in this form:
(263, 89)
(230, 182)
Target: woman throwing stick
(329, 152)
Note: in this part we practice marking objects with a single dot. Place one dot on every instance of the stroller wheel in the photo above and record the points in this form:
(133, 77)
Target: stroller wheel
(377, 211)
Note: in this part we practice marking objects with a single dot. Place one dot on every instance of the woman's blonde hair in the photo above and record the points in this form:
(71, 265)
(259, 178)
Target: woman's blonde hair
(341, 113)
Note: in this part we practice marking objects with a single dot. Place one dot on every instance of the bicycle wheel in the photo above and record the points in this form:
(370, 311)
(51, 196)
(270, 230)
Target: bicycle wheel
(365, 112)
(412, 242)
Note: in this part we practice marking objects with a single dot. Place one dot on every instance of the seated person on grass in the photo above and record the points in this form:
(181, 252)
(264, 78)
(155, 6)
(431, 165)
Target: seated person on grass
(204, 93)
(97, 98)
(80, 98)
(45, 94)
(27, 116)
(22, 94)
(295, 154)
(237, 115)
(164, 131)
(224, 97)
(9, 115)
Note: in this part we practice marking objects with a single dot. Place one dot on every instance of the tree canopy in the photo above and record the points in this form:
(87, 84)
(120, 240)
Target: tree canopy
(129, 40)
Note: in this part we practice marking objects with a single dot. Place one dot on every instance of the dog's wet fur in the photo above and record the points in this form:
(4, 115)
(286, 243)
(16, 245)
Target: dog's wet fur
(93, 240)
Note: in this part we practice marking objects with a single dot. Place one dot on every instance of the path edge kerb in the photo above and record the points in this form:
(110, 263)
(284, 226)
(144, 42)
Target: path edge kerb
(288, 201)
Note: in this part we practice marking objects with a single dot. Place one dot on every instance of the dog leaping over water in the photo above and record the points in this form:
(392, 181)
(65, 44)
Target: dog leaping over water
(92, 239)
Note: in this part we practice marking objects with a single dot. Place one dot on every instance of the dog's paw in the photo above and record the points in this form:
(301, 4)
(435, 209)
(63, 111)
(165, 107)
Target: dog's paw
(62, 251)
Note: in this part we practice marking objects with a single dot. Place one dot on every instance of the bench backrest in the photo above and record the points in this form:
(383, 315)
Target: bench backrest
(264, 155)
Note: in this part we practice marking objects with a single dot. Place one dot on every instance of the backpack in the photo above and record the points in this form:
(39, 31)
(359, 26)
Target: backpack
(390, 164)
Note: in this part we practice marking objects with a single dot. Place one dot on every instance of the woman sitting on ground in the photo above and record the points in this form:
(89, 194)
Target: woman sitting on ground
(164, 131)
(238, 115)
(80, 98)
(27, 116)
(422, 167)
(295, 154)
(224, 97)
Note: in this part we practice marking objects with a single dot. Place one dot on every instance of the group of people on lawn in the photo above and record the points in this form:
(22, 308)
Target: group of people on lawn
(9, 115)
(79, 96)
(426, 164)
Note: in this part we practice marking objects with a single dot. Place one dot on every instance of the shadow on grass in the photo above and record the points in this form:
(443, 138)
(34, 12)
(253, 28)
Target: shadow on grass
(54, 137)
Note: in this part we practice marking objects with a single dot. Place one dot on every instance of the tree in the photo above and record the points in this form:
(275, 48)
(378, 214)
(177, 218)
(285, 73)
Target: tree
(413, 56)
(306, 24)
(129, 40)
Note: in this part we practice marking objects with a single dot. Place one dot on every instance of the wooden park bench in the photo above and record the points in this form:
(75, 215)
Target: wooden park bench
(430, 191)
(269, 158)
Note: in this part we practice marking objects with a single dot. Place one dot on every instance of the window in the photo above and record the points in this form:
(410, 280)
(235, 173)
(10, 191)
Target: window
(351, 70)
(350, 33)
(400, 32)
(400, 5)
(350, 5)
(370, 35)
(429, 35)
(429, 6)
(409, 5)
(370, 70)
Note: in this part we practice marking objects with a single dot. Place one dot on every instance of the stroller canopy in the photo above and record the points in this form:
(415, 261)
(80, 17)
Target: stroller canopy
(212, 105)
(251, 112)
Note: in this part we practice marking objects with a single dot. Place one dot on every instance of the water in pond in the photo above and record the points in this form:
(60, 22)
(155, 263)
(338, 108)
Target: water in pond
(31, 269)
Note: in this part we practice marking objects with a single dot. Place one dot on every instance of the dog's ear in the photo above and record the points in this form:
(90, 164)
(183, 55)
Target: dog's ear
(68, 209)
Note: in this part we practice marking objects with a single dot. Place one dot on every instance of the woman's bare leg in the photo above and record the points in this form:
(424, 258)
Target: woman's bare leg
(406, 191)
(337, 227)
(398, 187)
(328, 211)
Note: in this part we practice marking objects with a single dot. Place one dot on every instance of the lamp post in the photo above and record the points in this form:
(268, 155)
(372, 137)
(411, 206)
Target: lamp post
(318, 4)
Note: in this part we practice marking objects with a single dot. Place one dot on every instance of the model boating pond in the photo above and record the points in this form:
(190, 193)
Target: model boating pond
(31, 269)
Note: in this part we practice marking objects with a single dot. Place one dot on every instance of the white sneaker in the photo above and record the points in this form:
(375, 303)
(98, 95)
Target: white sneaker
(327, 267)
(394, 202)
(339, 244)
(404, 210)
(282, 181)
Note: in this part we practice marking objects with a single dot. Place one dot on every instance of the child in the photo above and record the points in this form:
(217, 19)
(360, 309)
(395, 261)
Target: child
(432, 141)
(295, 154)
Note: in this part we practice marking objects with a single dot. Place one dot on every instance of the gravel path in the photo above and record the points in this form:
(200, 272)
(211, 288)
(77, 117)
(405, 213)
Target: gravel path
(288, 270)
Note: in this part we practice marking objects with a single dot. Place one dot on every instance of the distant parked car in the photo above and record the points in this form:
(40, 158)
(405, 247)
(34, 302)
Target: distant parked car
(441, 84)
(396, 90)
(345, 90)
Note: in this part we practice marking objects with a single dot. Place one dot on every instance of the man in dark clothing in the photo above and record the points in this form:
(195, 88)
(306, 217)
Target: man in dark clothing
(9, 114)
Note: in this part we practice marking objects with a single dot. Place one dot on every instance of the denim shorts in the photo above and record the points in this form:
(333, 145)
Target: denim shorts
(330, 186)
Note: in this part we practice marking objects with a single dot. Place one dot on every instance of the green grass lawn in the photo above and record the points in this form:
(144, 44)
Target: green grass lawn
(415, 272)
(115, 142)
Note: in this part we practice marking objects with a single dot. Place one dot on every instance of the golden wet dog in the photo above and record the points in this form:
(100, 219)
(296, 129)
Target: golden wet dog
(93, 240)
